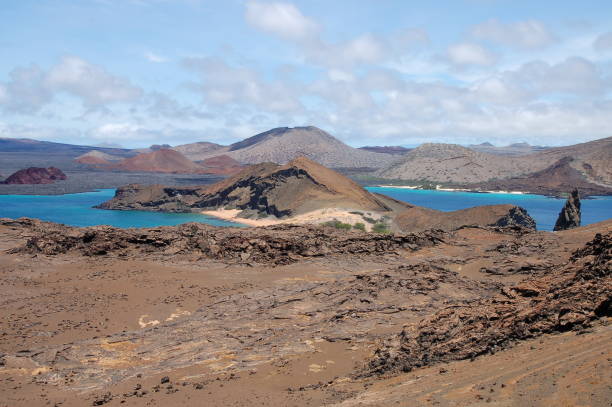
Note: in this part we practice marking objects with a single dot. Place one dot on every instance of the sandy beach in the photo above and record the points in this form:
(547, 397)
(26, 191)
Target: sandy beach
(311, 218)
(453, 189)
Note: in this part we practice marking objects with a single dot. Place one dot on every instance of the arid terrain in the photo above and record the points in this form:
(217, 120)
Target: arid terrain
(297, 315)
(518, 167)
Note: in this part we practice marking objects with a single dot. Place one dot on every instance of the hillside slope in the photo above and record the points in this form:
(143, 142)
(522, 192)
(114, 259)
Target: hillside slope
(163, 160)
(449, 163)
(284, 144)
(298, 187)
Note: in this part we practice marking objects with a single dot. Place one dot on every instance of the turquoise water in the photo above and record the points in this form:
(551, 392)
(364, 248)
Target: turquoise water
(543, 209)
(76, 210)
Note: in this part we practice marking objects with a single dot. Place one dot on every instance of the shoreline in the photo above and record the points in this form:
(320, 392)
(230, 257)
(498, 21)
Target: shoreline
(454, 190)
(310, 218)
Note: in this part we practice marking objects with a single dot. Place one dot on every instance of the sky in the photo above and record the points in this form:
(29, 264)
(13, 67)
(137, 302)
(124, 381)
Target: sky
(370, 72)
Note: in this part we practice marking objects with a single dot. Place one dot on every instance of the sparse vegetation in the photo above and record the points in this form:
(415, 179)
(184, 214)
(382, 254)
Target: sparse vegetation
(338, 225)
(369, 219)
(359, 226)
(381, 228)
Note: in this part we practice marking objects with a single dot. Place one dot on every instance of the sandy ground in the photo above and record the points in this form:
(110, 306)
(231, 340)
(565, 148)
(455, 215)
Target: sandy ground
(314, 218)
(140, 331)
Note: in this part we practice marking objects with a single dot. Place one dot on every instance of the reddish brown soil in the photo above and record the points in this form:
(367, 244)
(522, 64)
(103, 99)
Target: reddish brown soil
(34, 175)
(221, 165)
(80, 327)
(163, 160)
(93, 161)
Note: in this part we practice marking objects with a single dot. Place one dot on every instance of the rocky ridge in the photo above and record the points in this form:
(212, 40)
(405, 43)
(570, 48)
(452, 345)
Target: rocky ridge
(417, 218)
(271, 245)
(570, 298)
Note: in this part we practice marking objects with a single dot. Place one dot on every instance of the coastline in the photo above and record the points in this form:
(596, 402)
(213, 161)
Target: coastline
(452, 189)
(311, 218)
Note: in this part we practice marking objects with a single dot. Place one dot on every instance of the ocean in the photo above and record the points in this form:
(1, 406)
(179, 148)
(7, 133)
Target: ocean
(77, 209)
(543, 209)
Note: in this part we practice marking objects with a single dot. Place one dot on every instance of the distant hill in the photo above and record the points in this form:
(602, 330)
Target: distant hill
(23, 145)
(163, 160)
(559, 177)
(200, 150)
(35, 175)
(386, 149)
(97, 158)
(284, 144)
(453, 164)
(221, 165)
(450, 163)
(512, 149)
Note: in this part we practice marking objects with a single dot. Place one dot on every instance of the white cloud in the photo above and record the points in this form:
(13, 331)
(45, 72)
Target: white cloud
(466, 53)
(155, 58)
(282, 19)
(364, 49)
(31, 88)
(603, 42)
(574, 75)
(25, 91)
(520, 34)
(222, 84)
(91, 83)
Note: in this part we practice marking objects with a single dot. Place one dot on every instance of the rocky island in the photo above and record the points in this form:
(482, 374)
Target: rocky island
(305, 192)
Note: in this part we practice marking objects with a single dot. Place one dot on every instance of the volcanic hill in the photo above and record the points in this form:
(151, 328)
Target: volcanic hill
(35, 175)
(284, 144)
(162, 160)
(268, 189)
(587, 164)
(303, 187)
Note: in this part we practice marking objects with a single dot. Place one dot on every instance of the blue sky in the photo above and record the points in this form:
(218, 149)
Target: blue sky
(378, 72)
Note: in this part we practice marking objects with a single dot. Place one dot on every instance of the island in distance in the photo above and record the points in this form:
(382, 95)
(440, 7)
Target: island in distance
(305, 192)
(548, 171)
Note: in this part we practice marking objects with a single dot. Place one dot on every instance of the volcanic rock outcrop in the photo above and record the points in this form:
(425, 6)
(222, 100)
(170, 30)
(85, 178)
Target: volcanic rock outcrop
(569, 217)
(418, 218)
(264, 189)
(565, 299)
(35, 175)
(282, 244)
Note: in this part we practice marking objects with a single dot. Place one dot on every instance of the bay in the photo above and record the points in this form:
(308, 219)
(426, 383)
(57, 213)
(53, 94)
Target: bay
(77, 210)
(543, 209)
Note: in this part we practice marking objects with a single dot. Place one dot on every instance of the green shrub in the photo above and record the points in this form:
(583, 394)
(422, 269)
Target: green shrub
(338, 225)
(369, 220)
(359, 226)
(381, 228)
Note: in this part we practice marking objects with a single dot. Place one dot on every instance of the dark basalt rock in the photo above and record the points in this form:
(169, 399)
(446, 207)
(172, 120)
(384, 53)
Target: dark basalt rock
(569, 217)
(517, 216)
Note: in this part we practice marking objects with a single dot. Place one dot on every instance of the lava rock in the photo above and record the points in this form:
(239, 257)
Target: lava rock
(569, 217)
